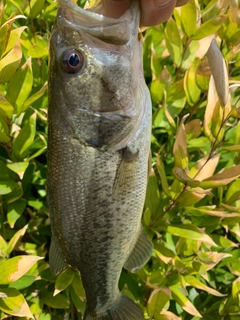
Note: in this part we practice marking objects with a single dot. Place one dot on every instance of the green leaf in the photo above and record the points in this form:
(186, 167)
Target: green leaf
(7, 186)
(34, 97)
(14, 268)
(14, 38)
(3, 247)
(20, 87)
(24, 140)
(14, 304)
(60, 301)
(189, 232)
(15, 210)
(209, 27)
(4, 31)
(10, 63)
(188, 16)
(190, 87)
(6, 109)
(4, 130)
(173, 41)
(158, 299)
(79, 303)
(23, 282)
(36, 8)
(152, 195)
(14, 240)
(183, 301)
(161, 171)
(192, 281)
(18, 167)
(233, 192)
(63, 281)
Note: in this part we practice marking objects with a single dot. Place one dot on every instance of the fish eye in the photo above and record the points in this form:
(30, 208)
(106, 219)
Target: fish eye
(72, 61)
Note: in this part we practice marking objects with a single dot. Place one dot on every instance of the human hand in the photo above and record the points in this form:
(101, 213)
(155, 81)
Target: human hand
(153, 11)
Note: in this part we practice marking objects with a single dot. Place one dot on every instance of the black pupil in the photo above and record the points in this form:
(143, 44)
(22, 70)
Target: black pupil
(73, 60)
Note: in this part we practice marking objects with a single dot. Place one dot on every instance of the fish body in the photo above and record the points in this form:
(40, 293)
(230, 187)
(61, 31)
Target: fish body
(98, 151)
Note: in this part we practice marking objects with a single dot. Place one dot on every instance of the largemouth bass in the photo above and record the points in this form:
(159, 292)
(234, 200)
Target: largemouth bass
(98, 151)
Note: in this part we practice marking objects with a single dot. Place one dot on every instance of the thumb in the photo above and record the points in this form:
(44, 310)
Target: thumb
(115, 8)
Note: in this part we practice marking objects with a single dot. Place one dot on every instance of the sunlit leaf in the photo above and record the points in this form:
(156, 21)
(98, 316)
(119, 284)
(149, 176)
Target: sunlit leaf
(173, 41)
(20, 87)
(183, 301)
(157, 300)
(189, 231)
(24, 139)
(209, 27)
(14, 303)
(14, 268)
(9, 63)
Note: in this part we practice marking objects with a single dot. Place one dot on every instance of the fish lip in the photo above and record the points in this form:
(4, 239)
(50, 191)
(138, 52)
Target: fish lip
(110, 30)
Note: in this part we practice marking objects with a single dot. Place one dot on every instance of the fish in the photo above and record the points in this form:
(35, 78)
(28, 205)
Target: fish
(99, 131)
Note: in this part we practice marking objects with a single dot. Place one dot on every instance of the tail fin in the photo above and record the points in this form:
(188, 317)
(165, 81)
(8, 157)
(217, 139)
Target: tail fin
(123, 309)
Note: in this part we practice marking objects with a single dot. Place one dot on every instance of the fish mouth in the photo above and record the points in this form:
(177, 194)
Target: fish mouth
(110, 30)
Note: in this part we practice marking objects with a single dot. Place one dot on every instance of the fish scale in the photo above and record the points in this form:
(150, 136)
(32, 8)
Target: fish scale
(98, 157)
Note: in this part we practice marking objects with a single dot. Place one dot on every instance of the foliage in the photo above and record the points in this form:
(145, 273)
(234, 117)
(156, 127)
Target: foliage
(192, 208)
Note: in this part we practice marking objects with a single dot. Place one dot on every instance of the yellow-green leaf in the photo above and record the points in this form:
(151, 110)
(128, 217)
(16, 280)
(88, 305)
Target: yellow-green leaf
(192, 281)
(209, 27)
(189, 232)
(14, 268)
(188, 16)
(18, 167)
(14, 38)
(34, 97)
(6, 109)
(183, 301)
(190, 86)
(14, 303)
(20, 87)
(174, 42)
(24, 140)
(10, 63)
(63, 281)
(157, 301)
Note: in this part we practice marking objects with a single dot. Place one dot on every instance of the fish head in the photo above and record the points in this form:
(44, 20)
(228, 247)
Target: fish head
(96, 74)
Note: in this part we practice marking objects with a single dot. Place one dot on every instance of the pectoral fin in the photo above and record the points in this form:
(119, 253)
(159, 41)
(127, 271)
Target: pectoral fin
(56, 259)
(140, 254)
(126, 172)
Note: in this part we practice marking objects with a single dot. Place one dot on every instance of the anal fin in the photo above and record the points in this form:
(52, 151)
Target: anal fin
(56, 258)
(140, 254)
(123, 309)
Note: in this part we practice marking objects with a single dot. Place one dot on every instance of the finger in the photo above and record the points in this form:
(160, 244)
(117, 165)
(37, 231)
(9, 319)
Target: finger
(115, 8)
(156, 11)
(181, 3)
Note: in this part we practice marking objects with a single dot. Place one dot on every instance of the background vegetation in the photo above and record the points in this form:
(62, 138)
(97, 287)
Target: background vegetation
(192, 209)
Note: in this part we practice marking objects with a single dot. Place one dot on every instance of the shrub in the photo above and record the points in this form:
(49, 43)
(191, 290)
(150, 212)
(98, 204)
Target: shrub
(192, 208)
